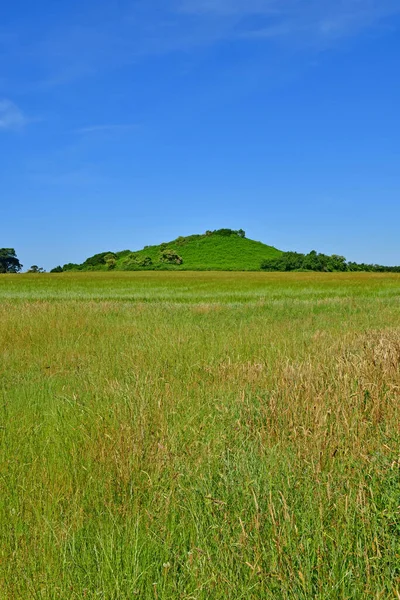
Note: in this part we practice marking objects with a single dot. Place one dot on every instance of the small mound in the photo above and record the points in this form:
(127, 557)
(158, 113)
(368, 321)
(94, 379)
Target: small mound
(220, 250)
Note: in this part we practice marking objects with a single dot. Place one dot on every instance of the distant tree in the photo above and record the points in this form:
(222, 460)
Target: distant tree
(35, 269)
(144, 261)
(311, 262)
(58, 269)
(9, 262)
(241, 233)
(110, 260)
(98, 259)
(337, 263)
(168, 255)
(72, 267)
(134, 261)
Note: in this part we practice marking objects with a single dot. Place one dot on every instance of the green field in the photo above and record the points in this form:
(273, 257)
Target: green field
(199, 436)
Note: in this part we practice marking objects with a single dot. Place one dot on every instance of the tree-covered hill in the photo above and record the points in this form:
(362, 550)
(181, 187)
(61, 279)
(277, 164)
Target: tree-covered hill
(220, 250)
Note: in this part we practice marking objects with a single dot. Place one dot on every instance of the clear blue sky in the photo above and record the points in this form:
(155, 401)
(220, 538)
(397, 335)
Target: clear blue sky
(125, 123)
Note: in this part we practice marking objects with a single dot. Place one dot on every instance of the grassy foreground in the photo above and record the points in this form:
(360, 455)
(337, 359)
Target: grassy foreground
(199, 436)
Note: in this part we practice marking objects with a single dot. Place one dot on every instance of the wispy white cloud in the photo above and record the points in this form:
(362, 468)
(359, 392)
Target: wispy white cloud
(105, 39)
(106, 128)
(307, 20)
(11, 117)
(247, 7)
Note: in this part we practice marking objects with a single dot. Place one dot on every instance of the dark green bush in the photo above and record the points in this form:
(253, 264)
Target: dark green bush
(135, 261)
(36, 269)
(99, 259)
(72, 267)
(170, 256)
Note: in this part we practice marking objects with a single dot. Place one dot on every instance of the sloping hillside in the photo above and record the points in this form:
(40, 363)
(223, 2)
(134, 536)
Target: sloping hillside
(223, 250)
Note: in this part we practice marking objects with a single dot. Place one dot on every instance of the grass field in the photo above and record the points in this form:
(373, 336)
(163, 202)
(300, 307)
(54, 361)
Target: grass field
(199, 436)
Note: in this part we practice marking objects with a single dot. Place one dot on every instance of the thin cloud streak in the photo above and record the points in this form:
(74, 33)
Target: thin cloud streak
(107, 128)
(287, 7)
(308, 20)
(11, 117)
(72, 53)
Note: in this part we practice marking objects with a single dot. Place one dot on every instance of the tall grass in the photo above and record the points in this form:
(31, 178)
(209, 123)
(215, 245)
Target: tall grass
(199, 436)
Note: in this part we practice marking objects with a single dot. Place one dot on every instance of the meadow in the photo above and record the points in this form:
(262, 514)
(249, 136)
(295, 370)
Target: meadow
(196, 436)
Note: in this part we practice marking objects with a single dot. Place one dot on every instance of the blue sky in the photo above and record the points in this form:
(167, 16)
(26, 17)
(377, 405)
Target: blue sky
(125, 123)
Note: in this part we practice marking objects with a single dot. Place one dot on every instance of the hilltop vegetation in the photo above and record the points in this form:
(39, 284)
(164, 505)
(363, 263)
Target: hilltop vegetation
(219, 250)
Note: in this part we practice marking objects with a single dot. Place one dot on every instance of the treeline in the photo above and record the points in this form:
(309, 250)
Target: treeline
(324, 263)
(166, 257)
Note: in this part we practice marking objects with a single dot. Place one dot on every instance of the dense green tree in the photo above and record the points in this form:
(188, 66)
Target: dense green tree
(134, 261)
(36, 269)
(9, 262)
(110, 260)
(58, 269)
(144, 261)
(337, 263)
(99, 259)
(168, 255)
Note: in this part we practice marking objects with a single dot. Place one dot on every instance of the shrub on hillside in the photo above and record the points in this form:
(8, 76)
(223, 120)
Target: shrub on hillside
(103, 259)
(170, 256)
(72, 267)
(144, 261)
(135, 261)
(110, 260)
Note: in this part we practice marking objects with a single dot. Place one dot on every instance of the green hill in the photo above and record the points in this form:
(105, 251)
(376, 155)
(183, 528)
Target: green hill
(220, 250)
